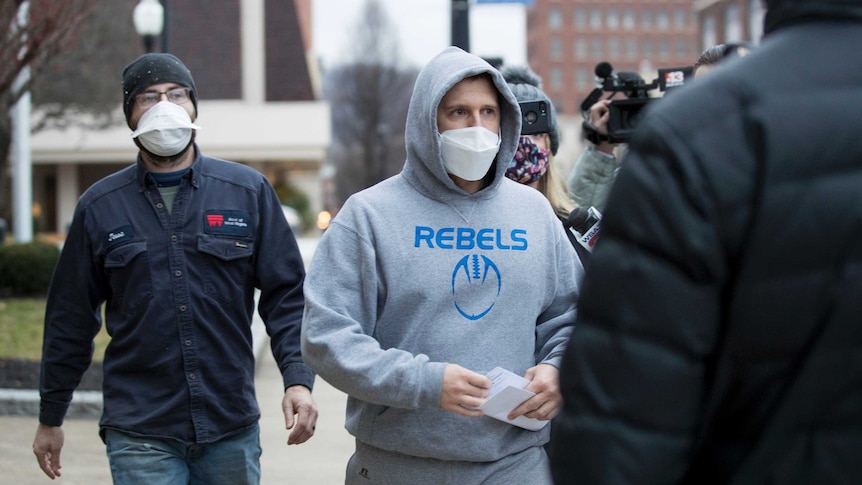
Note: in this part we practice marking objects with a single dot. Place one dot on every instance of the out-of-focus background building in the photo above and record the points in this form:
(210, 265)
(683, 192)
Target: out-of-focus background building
(567, 39)
(724, 21)
(259, 103)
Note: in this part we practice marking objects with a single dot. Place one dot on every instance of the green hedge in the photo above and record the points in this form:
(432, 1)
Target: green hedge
(26, 269)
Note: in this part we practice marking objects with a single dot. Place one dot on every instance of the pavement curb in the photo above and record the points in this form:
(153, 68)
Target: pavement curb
(25, 402)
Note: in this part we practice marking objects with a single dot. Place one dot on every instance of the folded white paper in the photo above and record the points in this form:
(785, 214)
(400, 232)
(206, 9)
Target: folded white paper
(507, 393)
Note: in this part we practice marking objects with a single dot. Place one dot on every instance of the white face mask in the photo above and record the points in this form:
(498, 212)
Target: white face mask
(165, 129)
(469, 152)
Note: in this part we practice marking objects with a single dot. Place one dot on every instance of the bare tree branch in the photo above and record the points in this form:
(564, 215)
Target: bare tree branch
(46, 28)
(369, 96)
(48, 31)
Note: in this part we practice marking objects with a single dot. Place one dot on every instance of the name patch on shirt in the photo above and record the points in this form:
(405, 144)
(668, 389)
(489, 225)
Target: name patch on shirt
(118, 235)
(229, 222)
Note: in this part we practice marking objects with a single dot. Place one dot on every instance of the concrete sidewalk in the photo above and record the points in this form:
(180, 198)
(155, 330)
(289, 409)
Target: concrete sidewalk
(321, 460)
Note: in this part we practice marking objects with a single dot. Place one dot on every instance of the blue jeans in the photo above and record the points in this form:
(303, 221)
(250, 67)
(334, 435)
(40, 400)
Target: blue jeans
(234, 460)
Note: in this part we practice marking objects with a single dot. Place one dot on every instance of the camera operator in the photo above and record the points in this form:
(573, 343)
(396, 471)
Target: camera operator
(591, 178)
(593, 174)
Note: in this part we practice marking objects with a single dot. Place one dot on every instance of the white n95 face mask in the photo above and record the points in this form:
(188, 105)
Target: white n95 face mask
(165, 129)
(469, 152)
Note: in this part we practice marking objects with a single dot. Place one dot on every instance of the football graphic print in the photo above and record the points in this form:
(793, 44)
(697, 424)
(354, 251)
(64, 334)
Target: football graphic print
(475, 286)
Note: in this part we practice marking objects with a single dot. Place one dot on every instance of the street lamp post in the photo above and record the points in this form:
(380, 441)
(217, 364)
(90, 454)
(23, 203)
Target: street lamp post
(149, 18)
(460, 10)
(20, 150)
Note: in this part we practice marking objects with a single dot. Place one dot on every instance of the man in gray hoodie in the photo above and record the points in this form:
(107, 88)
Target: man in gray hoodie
(432, 278)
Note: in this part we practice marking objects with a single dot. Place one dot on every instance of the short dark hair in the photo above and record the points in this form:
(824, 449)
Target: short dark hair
(717, 53)
(710, 56)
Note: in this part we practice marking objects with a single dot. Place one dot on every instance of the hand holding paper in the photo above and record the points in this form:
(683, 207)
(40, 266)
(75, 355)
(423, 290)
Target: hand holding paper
(463, 389)
(507, 393)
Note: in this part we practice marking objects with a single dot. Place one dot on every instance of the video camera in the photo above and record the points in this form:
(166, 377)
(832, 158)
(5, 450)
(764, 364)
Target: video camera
(626, 113)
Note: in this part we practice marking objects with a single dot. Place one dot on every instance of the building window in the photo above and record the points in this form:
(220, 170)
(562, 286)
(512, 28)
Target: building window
(628, 19)
(580, 48)
(646, 19)
(580, 18)
(708, 32)
(646, 49)
(755, 20)
(556, 78)
(631, 48)
(682, 47)
(614, 48)
(556, 49)
(582, 78)
(596, 19)
(680, 18)
(613, 19)
(663, 49)
(732, 24)
(597, 48)
(555, 19)
(662, 20)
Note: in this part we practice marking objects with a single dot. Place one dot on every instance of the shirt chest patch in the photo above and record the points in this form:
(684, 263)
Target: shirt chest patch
(118, 235)
(227, 222)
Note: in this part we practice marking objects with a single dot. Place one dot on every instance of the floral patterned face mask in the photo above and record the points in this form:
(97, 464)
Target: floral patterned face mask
(530, 162)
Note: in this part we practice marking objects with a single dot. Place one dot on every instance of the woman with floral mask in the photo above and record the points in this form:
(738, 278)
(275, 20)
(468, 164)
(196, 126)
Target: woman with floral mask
(533, 163)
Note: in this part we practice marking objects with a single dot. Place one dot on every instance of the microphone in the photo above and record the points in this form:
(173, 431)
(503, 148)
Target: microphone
(585, 225)
(604, 69)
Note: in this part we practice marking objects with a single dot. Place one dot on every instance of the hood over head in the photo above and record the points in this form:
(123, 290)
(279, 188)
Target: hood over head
(424, 166)
(780, 13)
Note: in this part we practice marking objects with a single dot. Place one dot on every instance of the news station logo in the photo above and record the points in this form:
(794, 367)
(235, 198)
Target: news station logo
(674, 79)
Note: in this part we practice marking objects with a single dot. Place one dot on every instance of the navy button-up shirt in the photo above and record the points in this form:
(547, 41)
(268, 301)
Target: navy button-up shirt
(179, 292)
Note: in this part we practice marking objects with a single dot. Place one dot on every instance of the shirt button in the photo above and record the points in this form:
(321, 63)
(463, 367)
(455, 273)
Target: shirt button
(174, 238)
(182, 308)
(178, 273)
(188, 342)
(160, 205)
(192, 376)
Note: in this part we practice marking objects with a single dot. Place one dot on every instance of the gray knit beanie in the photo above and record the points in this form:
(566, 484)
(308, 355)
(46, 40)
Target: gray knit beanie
(526, 85)
(150, 69)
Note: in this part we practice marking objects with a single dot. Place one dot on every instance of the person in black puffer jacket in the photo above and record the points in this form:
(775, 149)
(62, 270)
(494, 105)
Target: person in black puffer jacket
(718, 337)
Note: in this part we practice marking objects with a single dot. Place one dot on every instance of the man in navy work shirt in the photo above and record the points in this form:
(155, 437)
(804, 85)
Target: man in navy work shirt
(175, 245)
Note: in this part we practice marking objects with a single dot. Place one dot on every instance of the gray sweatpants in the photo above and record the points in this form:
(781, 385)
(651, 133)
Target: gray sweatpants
(370, 465)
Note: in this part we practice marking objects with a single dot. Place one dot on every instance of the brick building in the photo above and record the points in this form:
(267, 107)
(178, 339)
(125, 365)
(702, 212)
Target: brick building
(567, 38)
(723, 21)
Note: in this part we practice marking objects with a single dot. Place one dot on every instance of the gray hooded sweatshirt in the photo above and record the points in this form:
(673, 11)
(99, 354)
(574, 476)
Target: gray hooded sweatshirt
(415, 273)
